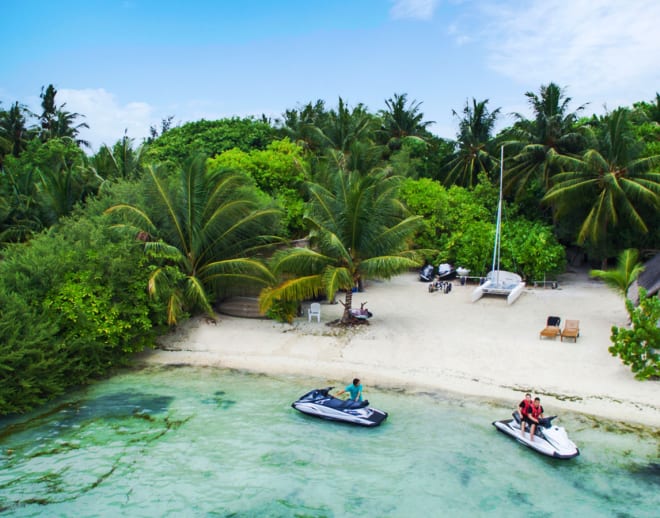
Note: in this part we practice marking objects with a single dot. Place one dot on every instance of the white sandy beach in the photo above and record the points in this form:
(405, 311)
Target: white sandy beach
(433, 341)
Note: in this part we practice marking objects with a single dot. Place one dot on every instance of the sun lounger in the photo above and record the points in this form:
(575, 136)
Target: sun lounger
(571, 330)
(551, 329)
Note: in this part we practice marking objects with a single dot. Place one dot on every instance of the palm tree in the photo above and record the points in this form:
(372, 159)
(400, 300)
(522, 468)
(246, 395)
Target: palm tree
(627, 270)
(474, 144)
(202, 232)
(551, 132)
(358, 230)
(21, 214)
(301, 125)
(611, 181)
(343, 126)
(14, 130)
(402, 120)
(120, 161)
(56, 122)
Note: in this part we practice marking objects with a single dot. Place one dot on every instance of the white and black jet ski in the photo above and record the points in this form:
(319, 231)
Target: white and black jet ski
(549, 440)
(319, 403)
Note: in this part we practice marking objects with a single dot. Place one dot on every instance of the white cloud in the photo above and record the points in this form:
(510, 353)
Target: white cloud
(599, 49)
(107, 118)
(417, 9)
(460, 38)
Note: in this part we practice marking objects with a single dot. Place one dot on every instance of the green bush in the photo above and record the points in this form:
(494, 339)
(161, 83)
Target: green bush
(460, 223)
(639, 346)
(210, 138)
(284, 311)
(74, 305)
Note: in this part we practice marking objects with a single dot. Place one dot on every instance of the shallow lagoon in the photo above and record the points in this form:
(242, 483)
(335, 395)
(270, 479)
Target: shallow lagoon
(209, 442)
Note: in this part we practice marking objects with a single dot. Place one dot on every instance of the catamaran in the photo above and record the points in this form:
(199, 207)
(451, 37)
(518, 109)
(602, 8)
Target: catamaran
(500, 282)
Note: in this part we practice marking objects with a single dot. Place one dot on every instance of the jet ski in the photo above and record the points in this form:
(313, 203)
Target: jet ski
(319, 403)
(426, 273)
(549, 440)
(446, 272)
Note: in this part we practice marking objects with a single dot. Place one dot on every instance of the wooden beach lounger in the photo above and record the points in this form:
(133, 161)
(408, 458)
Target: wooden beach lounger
(551, 329)
(571, 330)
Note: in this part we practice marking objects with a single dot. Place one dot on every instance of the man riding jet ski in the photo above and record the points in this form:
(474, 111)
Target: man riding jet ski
(319, 403)
(548, 439)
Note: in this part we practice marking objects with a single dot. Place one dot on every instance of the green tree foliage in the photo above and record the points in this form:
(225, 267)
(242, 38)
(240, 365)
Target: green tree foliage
(537, 142)
(20, 213)
(609, 184)
(74, 305)
(460, 223)
(200, 229)
(302, 125)
(14, 130)
(56, 122)
(343, 127)
(402, 119)
(646, 125)
(475, 147)
(429, 200)
(210, 138)
(279, 171)
(358, 230)
(531, 249)
(627, 270)
(122, 161)
(41, 185)
(639, 345)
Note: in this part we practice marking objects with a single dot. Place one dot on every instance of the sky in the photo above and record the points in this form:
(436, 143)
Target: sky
(127, 64)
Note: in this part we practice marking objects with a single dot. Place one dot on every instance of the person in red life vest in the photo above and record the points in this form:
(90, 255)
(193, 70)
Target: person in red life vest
(535, 416)
(525, 407)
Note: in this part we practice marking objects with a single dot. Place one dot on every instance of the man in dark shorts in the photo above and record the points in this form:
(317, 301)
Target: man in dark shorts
(535, 416)
(525, 408)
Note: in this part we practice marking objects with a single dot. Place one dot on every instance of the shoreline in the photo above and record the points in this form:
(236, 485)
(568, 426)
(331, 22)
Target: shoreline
(442, 342)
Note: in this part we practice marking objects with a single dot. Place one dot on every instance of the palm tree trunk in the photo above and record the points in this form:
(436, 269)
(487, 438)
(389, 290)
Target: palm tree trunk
(348, 304)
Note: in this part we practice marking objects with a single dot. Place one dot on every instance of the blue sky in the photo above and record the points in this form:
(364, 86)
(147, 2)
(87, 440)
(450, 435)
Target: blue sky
(126, 64)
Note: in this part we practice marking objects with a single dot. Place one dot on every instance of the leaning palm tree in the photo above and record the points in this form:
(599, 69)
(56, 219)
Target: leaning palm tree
(474, 136)
(358, 230)
(611, 181)
(627, 270)
(203, 233)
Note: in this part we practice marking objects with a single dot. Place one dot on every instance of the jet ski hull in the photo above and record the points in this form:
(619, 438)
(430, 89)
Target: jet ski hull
(551, 441)
(318, 403)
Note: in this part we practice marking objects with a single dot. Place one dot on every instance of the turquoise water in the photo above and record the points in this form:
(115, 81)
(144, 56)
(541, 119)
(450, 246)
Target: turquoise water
(206, 442)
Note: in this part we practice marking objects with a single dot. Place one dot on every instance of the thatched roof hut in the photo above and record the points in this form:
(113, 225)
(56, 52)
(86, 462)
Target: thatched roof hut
(649, 279)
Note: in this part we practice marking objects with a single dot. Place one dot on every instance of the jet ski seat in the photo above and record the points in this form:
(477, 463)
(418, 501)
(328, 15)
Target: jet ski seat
(345, 404)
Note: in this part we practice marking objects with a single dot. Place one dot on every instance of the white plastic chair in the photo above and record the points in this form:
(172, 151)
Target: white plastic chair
(314, 311)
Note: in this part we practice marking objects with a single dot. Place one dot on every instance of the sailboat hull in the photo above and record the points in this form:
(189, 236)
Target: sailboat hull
(515, 293)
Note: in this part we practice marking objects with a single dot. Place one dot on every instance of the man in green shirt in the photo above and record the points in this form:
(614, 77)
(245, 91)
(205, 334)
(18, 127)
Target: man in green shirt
(355, 390)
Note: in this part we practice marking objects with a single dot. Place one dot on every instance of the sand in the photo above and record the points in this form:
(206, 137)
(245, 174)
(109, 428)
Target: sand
(422, 341)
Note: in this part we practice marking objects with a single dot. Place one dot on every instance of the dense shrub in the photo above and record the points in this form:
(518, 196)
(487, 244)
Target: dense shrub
(279, 171)
(210, 138)
(639, 346)
(74, 305)
(460, 223)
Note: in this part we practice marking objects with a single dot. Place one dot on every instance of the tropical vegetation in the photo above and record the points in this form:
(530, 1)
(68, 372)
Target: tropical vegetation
(638, 345)
(101, 250)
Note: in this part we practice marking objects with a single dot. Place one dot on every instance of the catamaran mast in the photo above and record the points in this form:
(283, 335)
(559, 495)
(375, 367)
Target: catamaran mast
(498, 225)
